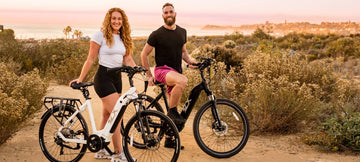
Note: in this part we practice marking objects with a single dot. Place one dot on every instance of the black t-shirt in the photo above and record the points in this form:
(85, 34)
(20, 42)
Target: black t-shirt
(168, 46)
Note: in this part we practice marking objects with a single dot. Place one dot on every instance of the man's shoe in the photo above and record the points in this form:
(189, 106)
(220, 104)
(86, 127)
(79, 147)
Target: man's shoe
(176, 118)
(170, 143)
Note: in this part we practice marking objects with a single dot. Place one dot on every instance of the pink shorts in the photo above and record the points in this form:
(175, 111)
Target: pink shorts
(160, 75)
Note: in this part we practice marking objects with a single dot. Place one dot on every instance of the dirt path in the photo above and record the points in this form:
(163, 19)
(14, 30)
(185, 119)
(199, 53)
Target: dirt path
(24, 146)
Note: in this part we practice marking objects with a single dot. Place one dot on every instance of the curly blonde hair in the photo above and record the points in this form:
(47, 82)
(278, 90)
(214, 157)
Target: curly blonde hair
(124, 30)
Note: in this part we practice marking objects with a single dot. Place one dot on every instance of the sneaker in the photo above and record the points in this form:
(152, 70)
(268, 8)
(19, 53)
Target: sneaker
(120, 158)
(176, 117)
(170, 143)
(102, 154)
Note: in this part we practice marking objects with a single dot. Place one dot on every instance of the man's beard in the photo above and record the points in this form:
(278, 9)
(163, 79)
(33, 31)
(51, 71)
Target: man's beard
(169, 22)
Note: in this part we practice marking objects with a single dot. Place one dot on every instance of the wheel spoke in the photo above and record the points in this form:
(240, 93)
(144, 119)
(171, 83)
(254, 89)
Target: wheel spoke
(52, 143)
(155, 150)
(223, 142)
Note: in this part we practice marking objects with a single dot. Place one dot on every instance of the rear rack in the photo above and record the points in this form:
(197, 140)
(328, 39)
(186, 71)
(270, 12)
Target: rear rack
(50, 102)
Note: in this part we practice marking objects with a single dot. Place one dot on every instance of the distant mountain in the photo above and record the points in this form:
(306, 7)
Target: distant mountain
(217, 27)
(299, 27)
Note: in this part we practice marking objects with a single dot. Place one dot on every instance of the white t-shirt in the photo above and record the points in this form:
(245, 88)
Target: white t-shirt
(109, 57)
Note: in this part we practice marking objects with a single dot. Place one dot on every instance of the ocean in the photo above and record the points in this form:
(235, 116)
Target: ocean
(36, 31)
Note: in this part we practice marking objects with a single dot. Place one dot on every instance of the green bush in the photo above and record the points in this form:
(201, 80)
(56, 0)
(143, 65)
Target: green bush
(7, 35)
(339, 132)
(344, 47)
(260, 34)
(343, 130)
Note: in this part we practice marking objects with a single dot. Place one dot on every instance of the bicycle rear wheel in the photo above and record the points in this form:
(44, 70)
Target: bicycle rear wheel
(53, 147)
(159, 126)
(224, 141)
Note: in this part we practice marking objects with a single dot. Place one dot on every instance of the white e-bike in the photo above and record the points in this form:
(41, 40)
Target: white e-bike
(64, 134)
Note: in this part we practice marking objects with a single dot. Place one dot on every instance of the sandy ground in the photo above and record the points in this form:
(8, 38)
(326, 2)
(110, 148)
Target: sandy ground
(24, 145)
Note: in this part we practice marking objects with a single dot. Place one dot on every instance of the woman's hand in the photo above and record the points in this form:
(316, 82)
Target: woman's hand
(151, 81)
(75, 80)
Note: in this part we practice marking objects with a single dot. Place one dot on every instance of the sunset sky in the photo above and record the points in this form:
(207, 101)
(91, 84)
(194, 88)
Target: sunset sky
(189, 12)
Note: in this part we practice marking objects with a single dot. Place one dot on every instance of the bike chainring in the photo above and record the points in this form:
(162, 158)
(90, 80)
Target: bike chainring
(95, 143)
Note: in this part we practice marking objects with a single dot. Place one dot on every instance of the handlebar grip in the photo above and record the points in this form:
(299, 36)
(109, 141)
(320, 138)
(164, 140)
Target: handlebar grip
(197, 64)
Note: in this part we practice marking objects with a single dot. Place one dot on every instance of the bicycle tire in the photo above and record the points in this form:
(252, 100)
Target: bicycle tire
(221, 143)
(160, 125)
(130, 111)
(50, 143)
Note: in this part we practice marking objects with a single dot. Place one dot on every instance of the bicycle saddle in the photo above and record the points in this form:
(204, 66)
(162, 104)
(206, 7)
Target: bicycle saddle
(75, 85)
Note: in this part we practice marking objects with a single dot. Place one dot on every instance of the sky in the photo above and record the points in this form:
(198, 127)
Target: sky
(189, 12)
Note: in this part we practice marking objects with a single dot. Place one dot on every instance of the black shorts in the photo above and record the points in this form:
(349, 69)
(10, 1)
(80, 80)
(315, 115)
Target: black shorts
(106, 83)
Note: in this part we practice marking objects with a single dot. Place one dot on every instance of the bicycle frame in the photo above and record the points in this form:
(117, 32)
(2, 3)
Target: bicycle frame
(112, 122)
(191, 100)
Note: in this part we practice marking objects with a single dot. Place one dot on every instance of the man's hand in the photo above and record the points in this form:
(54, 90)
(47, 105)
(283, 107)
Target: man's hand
(192, 64)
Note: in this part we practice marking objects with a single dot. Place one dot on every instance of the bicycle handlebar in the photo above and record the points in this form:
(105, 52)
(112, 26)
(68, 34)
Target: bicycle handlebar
(128, 69)
(206, 61)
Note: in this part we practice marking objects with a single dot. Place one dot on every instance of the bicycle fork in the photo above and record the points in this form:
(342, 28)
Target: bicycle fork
(138, 106)
(215, 113)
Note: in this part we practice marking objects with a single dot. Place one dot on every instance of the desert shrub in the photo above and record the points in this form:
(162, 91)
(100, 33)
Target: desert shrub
(66, 70)
(10, 114)
(230, 57)
(277, 105)
(229, 44)
(62, 59)
(57, 59)
(311, 57)
(139, 44)
(279, 91)
(20, 97)
(344, 47)
(234, 36)
(295, 41)
(260, 34)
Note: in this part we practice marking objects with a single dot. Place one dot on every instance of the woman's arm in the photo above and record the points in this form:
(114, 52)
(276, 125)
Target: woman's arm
(93, 53)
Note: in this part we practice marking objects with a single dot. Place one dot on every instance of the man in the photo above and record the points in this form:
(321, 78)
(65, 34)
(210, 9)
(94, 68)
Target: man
(170, 49)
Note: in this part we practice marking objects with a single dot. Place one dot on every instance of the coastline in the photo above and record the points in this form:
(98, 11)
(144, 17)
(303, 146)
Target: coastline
(40, 31)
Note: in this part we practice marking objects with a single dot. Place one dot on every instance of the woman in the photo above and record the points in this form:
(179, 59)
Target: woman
(113, 46)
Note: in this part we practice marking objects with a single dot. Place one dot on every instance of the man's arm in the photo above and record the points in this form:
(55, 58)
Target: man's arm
(145, 61)
(186, 56)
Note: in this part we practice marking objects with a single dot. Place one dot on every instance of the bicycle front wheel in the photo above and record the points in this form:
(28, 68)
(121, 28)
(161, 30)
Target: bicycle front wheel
(155, 127)
(53, 147)
(147, 104)
(225, 139)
